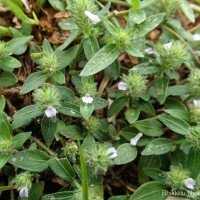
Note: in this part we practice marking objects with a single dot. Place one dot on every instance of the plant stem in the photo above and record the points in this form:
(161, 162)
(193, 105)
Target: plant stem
(41, 145)
(122, 3)
(84, 176)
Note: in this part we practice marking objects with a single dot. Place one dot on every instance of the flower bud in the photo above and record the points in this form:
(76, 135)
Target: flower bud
(92, 124)
(98, 158)
(136, 84)
(5, 147)
(49, 63)
(149, 51)
(194, 82)
(3, 50)
(176, 177)
(171, 55)
(193, 137)
(195, 111)
(47, 99)
(23, 182)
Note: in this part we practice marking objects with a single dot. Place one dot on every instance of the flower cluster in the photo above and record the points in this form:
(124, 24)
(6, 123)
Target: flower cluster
(99, 158)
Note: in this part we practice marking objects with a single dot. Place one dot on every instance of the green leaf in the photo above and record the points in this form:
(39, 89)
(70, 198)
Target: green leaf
(66, 93)
(31, 160)
(59, 196)
(14, 44)
(133, 51)
(69, 109)
(57, 5)
(137, 16)
(7, 79)
(175, 104)
(36, 191)
(193, 162)
(62, 168)
(25, 115)
(113, 70)
(4, 130)
(68, 24)
(86, 110)
(149, 191)
(59, 77)
(181, 114)
(161, 84)
(188, 11)
(117, 105)
(156, 174)
(136, 4)
(175, 124)
(90, 47)
(147, 107)
(48, 128)
(9, 63)
(2, 102)
(132, 114)
(150, 162)
(99, 103)
(4, 159)
(146, 68)
(178, 90)
(122, 197)
(148, 25)
(102, 59)
(125, 154)
(19, 12)
(33, 81)
(157, 147)
(65, 58)
(149, 127)
(46, 47)
(69, 40)
(20, 139)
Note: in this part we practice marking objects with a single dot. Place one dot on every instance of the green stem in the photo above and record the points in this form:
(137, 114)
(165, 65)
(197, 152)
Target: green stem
(41, 145)
(78, 52)
(4, 31)
(83, 174)
(9, 187)
(122, 3)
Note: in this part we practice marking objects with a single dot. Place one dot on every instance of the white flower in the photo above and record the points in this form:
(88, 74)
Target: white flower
(94, 18)
(168, 46)
(87, 99)
(135, 140)
(149, 51)
(189, 183)
(196, 37)
(122, 86)
(50, 112)
(26, 4)
(23, 192)
(113, 151)
(196, 103)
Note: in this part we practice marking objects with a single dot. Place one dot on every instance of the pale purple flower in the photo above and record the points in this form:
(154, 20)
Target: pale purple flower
(94, 18)
(87, 99)
(50, 112)
(196, 103)
(122, 86)
(196, 37)
(113, 151)
(168, 46)
(149, 51)
(23, 192)
(189, 183)
(135, 140)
